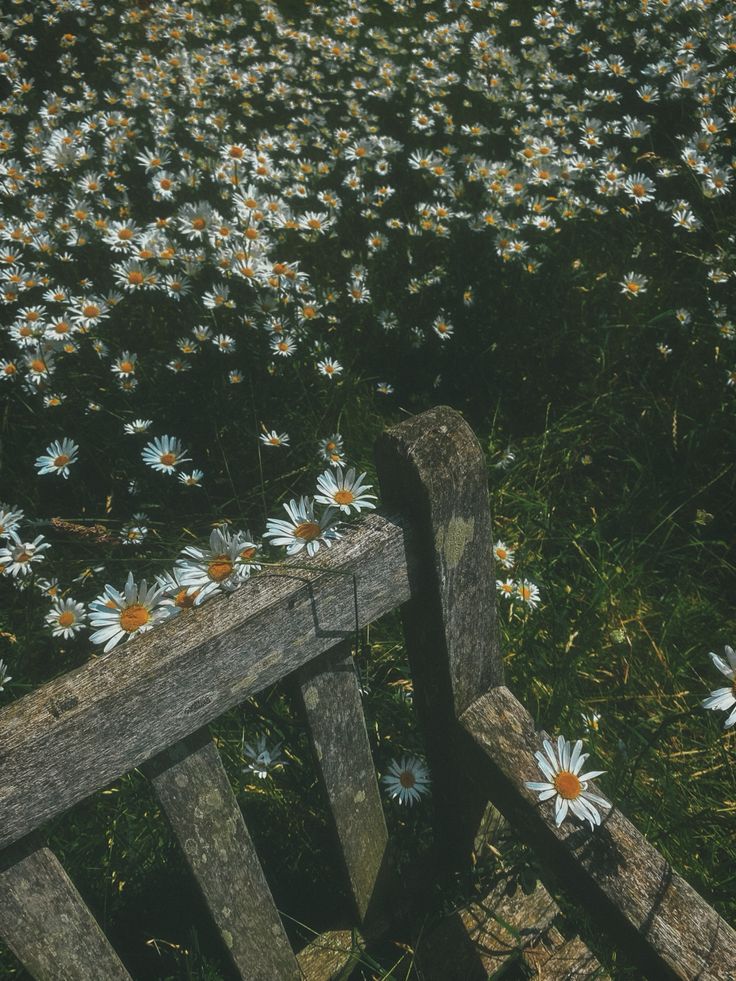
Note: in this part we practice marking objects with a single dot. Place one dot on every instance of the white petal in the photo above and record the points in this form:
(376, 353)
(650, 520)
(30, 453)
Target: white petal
(575, 758)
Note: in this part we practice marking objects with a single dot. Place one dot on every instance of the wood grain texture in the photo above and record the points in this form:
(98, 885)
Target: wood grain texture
(86, 728)
(330, 698)
(475, 942)
(47, 925)
(194, 790)
(433, 472)
(329, 956)
(614, 871)
(556, 959)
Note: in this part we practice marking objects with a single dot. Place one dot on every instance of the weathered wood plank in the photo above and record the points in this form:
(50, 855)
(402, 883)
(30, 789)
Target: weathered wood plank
(329, 956)
(330, 697)
(46, 923)
(613, 870)
(433, 472)
(193, 788)
(83, 730)
(475, 942)
(556, 959)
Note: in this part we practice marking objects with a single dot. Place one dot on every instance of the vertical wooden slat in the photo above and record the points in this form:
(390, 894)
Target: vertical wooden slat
(433, 472)
(191, 783)
(46, 923)
(330, 698)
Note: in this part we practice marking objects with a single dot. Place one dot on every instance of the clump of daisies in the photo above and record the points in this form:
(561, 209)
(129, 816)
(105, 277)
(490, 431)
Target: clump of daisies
(521, 591)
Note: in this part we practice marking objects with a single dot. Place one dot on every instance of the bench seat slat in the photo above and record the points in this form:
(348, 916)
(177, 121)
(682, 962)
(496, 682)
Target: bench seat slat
(194, 790)
(46, 923)
(332, 705)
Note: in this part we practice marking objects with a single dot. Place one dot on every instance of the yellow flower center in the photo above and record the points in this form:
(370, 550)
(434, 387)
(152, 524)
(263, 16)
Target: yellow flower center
(61, 460)
(220, 568)
(184, 599)
(407, 779)
(66, 619)
(198, 224)
(168, 459)
(567, 785)
(91, 310)
(135, 277)
(344, 497)
(307, 531)
(134, 617)
(126, 367)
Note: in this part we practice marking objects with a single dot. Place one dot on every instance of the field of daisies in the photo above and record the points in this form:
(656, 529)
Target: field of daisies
(237, 241)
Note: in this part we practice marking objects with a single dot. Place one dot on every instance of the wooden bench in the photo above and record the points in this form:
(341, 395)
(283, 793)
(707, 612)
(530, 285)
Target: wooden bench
(149, 704)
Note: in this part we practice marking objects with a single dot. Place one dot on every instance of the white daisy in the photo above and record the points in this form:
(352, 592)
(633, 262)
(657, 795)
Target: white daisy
(274, 439)
(302, 530)
(4, 676)
(17, 557)
(528, 593)
(503, 554)
(407, 779)
(137, 426)
(723, 699)
(66, 618)
(178, 595)
(344, 491)
(120, 616)
(224, 564)
(9, 520)
(330, 447)
(193, 479)
(164, 453)
(329, 367)
(262, 758)
(565, 783)
(58, 458)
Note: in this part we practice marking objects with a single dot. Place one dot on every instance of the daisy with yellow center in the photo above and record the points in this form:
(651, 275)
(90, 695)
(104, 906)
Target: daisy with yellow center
(566, 784)
(223, 565)
(406, 780)
(164, 454)
(303, 530)
(58, 458)
(344, 491)
(120, 616)
(66, 618)
(273, 438)
(17, 557)
(503, 555)
(633, 284)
